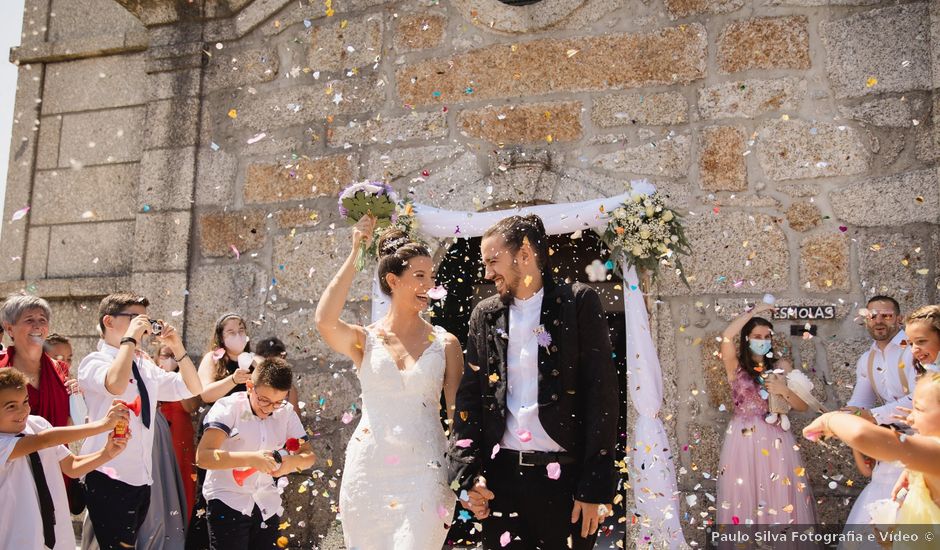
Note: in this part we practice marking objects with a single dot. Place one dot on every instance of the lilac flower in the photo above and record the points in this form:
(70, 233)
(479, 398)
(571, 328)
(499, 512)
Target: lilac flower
(543, 337)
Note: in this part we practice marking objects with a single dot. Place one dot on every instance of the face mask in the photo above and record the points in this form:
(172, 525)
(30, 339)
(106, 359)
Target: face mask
(236, 342)
(760, 347)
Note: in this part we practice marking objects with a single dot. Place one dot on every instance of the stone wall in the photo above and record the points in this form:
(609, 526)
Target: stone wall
(194, 153)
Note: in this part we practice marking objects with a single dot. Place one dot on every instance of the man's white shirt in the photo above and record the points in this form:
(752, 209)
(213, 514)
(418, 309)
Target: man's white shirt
(522, 366)
(887, 369)
(134, 466)
(248, 432)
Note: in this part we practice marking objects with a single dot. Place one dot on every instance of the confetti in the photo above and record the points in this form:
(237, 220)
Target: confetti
(233, 114)
(870, 83)
(464, 443)
(505, 538)
(553, 470)
(20, 214)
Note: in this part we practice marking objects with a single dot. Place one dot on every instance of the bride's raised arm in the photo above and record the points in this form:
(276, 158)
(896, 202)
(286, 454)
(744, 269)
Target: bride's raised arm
(343, 337)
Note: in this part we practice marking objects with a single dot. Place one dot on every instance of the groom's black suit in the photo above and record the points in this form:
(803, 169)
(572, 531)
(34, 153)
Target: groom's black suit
(577, 397)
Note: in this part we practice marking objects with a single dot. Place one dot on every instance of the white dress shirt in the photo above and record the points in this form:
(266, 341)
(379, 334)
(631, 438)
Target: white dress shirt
(524, 431)
(134, 466)
(20, 519)
(886, 379)
(249, 432)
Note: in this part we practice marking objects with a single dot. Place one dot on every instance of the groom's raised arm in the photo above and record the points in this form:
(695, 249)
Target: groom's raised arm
(464, 459)
(599, 391)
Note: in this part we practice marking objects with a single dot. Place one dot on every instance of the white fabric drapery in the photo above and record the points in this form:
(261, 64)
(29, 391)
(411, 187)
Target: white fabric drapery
(654, 486)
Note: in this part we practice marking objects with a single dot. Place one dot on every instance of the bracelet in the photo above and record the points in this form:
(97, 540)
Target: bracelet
(128, 340)
(181, 357)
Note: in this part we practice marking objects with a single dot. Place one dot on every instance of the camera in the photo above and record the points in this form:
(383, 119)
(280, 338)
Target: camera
(156, 328)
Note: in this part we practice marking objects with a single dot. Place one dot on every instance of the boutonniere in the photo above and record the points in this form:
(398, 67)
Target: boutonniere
(502, 333)
(543, 337)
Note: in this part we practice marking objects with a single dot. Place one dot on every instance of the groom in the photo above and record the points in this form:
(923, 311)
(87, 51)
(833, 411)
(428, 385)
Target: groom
(532, 448)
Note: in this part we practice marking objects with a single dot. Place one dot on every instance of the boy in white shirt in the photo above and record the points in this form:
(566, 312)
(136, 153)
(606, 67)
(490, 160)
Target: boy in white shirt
(33, 458)
(119, 369)
(255, 429)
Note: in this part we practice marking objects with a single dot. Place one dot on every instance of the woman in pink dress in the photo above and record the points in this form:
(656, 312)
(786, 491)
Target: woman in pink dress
(761, 479)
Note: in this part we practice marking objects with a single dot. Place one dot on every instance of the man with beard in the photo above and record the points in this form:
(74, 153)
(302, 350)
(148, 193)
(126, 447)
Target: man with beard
(884, 381)
(532, 446)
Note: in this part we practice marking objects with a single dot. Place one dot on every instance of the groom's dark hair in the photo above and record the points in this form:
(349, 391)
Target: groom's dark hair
(515, 230)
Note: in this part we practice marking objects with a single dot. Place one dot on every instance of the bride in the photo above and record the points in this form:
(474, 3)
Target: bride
(394, 494)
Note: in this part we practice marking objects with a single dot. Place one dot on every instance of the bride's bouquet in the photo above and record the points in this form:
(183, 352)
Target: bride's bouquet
(368, 197)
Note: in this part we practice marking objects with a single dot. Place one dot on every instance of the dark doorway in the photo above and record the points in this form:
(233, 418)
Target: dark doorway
(460, 271)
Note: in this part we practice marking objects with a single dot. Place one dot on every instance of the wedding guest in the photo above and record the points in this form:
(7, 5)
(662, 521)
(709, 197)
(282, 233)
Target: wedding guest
(245, 514)
(923, 335)
(884, 379)
(120, 369)
(33, 459)
(534, 439)
(760, 468)
(59, 348)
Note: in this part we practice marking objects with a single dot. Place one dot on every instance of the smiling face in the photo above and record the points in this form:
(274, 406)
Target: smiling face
(61, 352)
(14, 408)
(30, 330)
(925, 412)
(501, 267)
(924, 341)
(265, 399)
(410, 289)
(883, 321)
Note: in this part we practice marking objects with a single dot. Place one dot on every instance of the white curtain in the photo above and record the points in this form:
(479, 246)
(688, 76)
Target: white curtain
(654, 485)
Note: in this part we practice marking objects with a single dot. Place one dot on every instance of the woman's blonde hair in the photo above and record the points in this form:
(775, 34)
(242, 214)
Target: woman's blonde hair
(929, 315)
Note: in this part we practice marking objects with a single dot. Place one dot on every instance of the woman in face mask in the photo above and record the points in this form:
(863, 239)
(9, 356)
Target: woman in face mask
(760, 469)
(221, 375)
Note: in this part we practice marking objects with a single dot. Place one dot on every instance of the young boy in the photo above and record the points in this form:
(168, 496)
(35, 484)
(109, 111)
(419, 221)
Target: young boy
(59, 348)
(33, 458)
(119, 369)
(251, 429)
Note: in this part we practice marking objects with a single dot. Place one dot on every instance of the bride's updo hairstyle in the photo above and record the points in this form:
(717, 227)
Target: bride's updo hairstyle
(396, 249)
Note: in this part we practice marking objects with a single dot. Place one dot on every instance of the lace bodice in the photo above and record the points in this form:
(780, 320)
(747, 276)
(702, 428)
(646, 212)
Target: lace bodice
(746, 395)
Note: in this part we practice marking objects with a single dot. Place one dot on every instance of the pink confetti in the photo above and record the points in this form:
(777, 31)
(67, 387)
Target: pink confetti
(437, 293)
(843, 228)
(495, 450)
(237, 253)
(20, 214)
(347, 417)
(217, 354)
(463, 443)
(554, 470)
(442, 512)
(392, 460)
(505, 538)
(735, 520)
(525, 436)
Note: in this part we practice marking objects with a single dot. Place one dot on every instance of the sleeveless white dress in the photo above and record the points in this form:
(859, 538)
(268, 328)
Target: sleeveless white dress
(394, 493)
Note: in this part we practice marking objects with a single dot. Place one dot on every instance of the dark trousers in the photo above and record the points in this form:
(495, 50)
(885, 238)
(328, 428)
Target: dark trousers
(117, 510)
(532, 507)
(232, 530)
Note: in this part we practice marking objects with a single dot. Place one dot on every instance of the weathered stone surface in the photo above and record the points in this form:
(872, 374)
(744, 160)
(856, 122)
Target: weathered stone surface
(685, 8)
(912, 197)
(460, 182)
(878, 51)
(764, 43)
(72, 21)
(667, 56)
(733, 252)
(721, 161)
(821, 2)
(93, 194)
(334, 47)
(305, 178)
(101, 137)
(161, 241)
(419, 31)
(174, 83)
(166, 291)
(398, 162)
(750, 98)
(220, 231)
(297, 105)
(222, 288)
(639, 108)
(927, 146)
(519, 124)
(227, 69)
(797, 149)
(803, 215)
(92, 249)
(667, 157)
(415, 125)
(842, 356)
(888, 264)
(893, 112)
(97, 83)
(74, 317)
(37, 253)
(166, 178)
(47, 154)
(308, 261)
(172, 123)
(215, 177)
(824, 263)
(297, 217)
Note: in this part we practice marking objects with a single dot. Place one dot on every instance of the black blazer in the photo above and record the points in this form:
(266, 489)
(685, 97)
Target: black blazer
(578, 391)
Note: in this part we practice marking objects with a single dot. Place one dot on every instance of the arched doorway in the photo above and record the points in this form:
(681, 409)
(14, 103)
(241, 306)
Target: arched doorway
(460, 270)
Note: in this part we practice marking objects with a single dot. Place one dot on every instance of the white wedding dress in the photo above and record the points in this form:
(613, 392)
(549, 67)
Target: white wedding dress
(394, 493)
